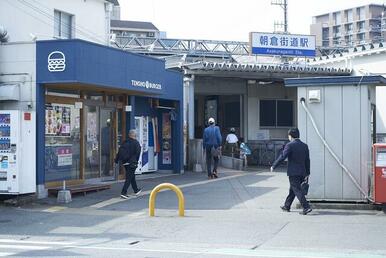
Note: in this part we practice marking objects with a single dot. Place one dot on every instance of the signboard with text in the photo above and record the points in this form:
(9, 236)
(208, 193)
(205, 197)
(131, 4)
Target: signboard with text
(282, 44)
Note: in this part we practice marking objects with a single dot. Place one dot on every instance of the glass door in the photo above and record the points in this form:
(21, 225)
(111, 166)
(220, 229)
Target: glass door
(107, 129)
(92, 143)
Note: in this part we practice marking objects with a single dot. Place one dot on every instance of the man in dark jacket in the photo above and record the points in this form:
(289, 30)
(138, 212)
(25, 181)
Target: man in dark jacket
(298, 169)
(128, 154)
(211, 143)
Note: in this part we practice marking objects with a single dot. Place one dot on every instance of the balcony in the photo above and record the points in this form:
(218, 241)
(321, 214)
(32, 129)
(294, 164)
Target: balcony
(375, 28)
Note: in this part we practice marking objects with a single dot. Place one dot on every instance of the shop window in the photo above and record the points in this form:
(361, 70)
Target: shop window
(276, 113)
(62, 142)
(63, 25)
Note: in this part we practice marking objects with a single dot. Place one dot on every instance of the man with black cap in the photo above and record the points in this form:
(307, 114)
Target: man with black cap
(298, 170)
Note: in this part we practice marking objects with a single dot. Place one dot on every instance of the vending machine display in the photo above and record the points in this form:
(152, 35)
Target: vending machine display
(145, 135)
(16, 140)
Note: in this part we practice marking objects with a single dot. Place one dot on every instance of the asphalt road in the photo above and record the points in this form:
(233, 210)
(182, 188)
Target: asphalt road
(236, 215)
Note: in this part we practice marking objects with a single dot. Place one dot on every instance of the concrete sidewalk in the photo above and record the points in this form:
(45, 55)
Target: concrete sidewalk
(237, 215)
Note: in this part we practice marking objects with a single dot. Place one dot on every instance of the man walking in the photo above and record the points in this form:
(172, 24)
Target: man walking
(211, 142)
(298, 170)
(128, 154)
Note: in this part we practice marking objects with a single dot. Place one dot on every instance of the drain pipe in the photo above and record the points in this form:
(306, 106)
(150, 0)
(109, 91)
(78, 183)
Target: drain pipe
(345, 169)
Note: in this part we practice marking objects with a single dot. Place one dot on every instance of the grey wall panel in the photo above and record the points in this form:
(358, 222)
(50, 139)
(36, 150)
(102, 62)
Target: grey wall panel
(219, 86)
(367, 97)
(351, 139)
(333, 131)
(317, 179)
(343, 118)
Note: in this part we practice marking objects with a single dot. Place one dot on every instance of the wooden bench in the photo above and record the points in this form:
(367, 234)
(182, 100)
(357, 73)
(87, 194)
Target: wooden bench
(74, 189)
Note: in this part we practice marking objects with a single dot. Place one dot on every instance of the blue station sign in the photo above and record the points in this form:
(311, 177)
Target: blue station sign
(282, 44)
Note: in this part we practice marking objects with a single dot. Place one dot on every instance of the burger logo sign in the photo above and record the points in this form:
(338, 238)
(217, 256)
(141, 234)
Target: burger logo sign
(146, 84)
(56, 61)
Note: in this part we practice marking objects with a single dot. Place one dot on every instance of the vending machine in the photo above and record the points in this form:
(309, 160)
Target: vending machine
(146, 134)
(17, 152)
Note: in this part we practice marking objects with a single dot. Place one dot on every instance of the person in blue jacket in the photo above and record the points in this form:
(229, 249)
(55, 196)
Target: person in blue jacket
(298, 170)
(211, 143)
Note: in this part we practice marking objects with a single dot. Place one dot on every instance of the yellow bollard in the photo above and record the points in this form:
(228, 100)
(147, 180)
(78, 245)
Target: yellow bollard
(153, 195)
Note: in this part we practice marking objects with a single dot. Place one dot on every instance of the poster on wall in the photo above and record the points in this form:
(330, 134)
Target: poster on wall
(64, 156)
(92, 133)
(166, 139)
(58, 120)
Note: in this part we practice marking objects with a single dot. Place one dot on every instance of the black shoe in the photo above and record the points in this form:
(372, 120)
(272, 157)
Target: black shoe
(125, 196)
(138, 192)
(305, 211)
(284, 208)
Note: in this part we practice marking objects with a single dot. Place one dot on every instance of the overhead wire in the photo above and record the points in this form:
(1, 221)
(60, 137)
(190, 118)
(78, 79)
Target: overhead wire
(52, 17)
(81, 28)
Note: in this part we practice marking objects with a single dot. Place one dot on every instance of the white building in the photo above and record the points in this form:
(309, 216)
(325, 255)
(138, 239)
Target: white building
(366, 60)
(47, 19)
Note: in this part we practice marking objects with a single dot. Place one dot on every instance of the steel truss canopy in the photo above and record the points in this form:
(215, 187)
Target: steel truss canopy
(158, 46)
(195, 47)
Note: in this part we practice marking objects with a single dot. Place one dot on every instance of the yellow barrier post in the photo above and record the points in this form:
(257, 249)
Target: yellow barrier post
(153, 195)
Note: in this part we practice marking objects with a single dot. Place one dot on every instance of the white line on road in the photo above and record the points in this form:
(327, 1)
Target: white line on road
(26, 247)
(118, 200)
(55, 209)
(2, 254)
(16, 241)
(238, 252)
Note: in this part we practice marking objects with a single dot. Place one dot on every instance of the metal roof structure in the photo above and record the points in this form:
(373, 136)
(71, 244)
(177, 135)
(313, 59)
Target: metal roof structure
(114, 2)
(336, 80)
(168, 46)
(274, 71)
(137, 25)
(197, 47)
(364, 50)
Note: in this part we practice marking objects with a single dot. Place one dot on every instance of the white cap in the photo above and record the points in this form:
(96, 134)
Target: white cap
(211, 120)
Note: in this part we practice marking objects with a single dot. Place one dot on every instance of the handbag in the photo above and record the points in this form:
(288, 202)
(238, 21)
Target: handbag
(215, 152)
(304, 187)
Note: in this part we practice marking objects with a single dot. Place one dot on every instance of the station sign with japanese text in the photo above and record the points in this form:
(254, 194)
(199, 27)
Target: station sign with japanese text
(282, 44)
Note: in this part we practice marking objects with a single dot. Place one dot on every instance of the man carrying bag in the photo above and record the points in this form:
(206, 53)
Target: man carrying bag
(128, 155)
(298, 170)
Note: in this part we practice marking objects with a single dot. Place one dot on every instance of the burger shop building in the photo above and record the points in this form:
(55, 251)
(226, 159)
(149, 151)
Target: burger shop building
(88, 97)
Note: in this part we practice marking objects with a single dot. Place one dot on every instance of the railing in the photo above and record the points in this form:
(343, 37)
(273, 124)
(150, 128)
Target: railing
(202, 48)
(166, 46)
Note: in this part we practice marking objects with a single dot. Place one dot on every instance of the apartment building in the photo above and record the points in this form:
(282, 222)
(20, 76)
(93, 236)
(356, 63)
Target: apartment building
(350, 27)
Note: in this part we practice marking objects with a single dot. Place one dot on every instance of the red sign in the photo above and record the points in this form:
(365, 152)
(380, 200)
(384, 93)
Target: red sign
(27, 116)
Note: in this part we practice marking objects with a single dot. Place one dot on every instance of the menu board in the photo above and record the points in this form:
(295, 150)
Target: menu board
(58, 120)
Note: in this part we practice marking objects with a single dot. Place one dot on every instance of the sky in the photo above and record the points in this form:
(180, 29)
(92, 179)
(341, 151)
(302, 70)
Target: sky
(228, 19)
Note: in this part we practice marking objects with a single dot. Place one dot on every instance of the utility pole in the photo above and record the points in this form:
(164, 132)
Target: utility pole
(283, 4)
